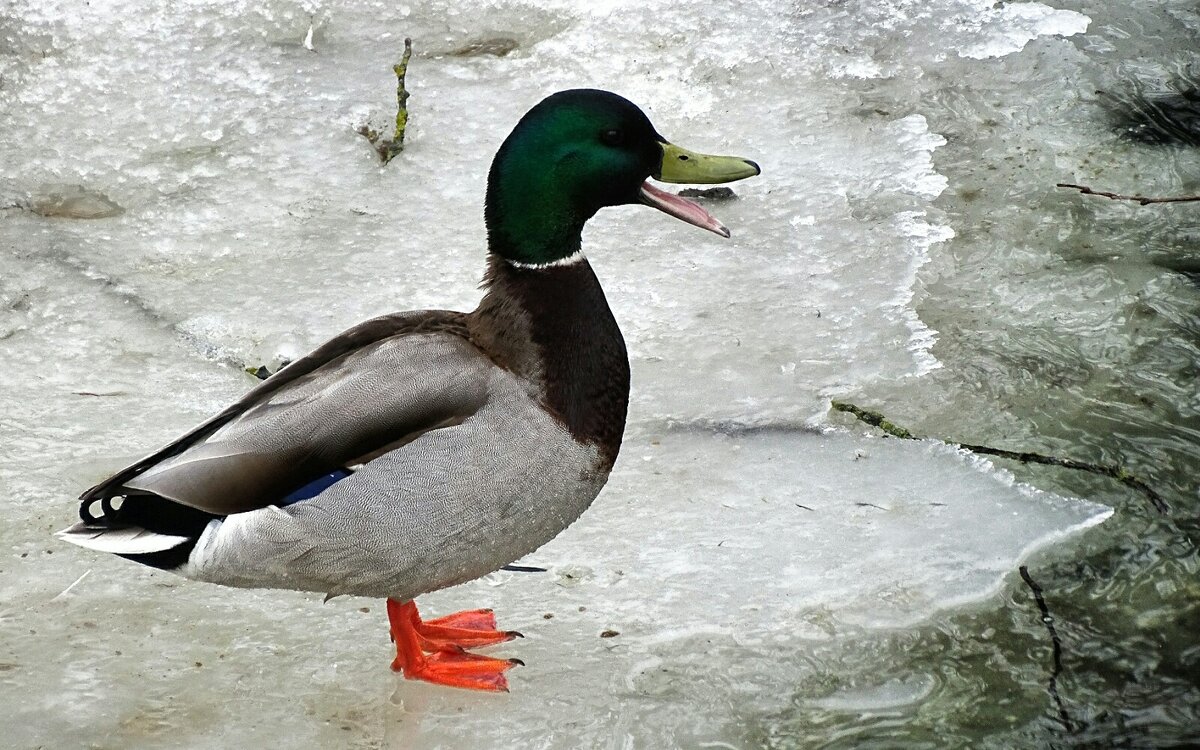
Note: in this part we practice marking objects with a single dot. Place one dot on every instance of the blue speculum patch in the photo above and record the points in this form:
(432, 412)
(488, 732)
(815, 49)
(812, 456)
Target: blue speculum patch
(315, 487)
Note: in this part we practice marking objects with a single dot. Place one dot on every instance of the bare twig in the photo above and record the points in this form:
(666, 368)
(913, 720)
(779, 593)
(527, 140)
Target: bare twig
(67, 590)
(1141, 200)
(1115, 471)
(1063, 717)
(388, 149)
(875, 419)
(396, 145)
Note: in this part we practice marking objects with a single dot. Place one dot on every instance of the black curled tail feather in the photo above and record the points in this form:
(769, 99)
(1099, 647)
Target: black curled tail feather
(150, 512)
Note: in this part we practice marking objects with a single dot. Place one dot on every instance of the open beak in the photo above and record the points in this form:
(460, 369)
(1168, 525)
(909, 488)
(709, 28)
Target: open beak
(680, 165)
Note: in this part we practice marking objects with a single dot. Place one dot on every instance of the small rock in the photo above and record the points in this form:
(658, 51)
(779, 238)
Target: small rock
(74, 202)
(262, 372)
(496, 47)
(710, 194)
(609, 634)
(573, 575)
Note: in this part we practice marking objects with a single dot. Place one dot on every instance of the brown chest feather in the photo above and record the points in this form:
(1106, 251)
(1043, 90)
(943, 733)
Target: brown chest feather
(554, 327)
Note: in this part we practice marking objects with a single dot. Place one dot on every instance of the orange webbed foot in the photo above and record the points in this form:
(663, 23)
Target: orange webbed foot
(462, 669)
(448, 663)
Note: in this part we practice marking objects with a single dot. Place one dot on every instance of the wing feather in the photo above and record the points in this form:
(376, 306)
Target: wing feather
(373, 386)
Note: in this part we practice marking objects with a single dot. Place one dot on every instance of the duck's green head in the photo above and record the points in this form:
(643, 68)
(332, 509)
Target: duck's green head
(581, 150)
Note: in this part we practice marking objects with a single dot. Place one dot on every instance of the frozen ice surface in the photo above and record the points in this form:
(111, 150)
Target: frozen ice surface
(741, 547)
(859, 39)
(721, 556)
(1005, 28)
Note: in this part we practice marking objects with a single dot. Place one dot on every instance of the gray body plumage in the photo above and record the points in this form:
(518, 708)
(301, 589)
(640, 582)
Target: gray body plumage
(454, 504)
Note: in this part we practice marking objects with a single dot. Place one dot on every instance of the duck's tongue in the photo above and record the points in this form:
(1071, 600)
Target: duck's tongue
(681, 208)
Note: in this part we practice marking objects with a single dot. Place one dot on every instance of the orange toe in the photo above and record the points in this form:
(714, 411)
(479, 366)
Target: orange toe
(462, 670)
(470, 619)
(445, 638)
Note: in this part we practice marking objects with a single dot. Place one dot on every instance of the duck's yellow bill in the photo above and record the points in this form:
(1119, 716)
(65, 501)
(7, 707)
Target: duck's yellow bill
(681, 165)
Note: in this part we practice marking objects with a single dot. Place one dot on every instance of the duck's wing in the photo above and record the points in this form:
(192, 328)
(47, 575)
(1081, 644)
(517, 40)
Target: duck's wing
(367, 391)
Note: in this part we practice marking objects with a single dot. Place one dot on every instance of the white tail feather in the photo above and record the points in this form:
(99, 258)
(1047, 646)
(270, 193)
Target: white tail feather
(129, 540)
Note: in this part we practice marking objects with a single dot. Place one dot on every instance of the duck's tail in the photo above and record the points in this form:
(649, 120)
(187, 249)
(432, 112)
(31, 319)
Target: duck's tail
(120, 540)
(144, 528)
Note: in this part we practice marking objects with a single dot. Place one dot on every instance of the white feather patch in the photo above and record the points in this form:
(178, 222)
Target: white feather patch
(570, 260)
(127, 541)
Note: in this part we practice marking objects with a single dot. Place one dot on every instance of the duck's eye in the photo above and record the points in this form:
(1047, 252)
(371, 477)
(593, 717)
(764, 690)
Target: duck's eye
(612, 137)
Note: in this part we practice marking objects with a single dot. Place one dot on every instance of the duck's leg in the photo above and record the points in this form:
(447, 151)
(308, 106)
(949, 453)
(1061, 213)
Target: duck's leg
(451, 665)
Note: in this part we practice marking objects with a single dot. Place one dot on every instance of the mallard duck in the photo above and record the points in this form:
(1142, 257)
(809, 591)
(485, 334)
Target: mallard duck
(421, 450)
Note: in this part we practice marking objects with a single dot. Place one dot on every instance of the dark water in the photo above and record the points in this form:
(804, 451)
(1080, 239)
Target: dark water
(1085, 343)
